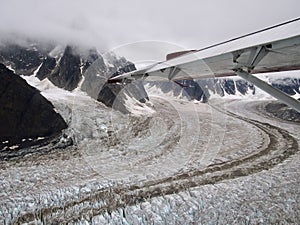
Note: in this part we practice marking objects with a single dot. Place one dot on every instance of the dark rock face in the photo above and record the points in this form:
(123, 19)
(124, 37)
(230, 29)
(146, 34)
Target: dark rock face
(115, 94)
(68, 67)
(288, 85)
(243, 86)
(111, 94)
(24, 112)
(193, 90)
(91, 58)
(282, 111)
(46, 68)
(128, 67)
(228, 86)
(23, 59)
(95, 75)
(186, 88)
(64, 72)
(201, 89)
(67, 73)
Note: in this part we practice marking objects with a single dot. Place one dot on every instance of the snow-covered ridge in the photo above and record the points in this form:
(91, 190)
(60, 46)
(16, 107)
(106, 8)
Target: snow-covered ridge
(230, 88)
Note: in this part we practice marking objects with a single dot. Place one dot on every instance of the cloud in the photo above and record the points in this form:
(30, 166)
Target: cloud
(106, 24)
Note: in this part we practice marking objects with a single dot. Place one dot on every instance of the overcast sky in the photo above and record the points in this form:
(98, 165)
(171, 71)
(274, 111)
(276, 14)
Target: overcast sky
(107, 24)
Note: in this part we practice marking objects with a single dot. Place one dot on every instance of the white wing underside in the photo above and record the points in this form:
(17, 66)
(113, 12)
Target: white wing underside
(272, 50)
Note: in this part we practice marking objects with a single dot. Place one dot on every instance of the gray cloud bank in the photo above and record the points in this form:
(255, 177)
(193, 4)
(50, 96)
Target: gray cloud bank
(107, 24)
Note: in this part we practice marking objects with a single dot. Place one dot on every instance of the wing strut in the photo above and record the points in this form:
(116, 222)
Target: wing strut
(293, 103)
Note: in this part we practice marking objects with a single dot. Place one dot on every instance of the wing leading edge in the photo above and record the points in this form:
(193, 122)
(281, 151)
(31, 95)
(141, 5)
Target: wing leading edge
(234, 58)
(282, 55)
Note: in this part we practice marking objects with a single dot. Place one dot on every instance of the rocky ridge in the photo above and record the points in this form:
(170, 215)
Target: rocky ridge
(70, 68)
(203, 89)
(25, 114)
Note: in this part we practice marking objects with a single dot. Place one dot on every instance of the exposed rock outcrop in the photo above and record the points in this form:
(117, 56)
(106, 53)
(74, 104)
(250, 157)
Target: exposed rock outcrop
(283, 111)
(184, 88)
(201, 90)
(66, 67)
(24, 60)
(46, 68)
(290, 86)
(24, 112)
(67, 73)
(112, 94)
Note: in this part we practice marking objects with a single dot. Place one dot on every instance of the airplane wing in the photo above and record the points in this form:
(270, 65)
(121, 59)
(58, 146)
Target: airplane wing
(270, 50)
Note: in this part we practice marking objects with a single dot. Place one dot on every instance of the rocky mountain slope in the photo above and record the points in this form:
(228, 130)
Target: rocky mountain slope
(25, 114)
(204, 89)
(24, 60)
(70, 68)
